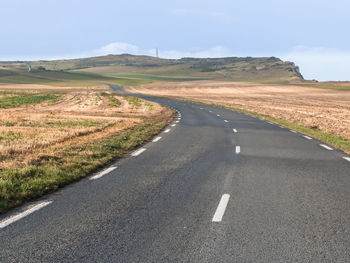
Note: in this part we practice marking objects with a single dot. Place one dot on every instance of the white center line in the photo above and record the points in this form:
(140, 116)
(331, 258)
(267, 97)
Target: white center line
(307, 137)
(15, 218)
(173, 125)
(138, 152)
(347, 158)
(238, 149)
(234, 130)
(220, 210)
(167, 130)
(326, 147)
(157, 139)
(104, 172)
(225, 120)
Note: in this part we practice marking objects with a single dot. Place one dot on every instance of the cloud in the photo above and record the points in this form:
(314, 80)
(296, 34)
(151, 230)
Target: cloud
(117, 48)
(212, 15)
(320, 63)
(218, 51)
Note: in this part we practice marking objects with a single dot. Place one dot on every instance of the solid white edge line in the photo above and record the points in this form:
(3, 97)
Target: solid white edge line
(347, 158)
(307, 137)
(157, 139)
(19, 216)
(138, 152)
(234, 130)
(104, 172)
(238, 149)
(326, 147)
(167, 130)
(220, 210)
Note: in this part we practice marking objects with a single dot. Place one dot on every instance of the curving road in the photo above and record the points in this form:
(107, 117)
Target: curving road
(215, 186)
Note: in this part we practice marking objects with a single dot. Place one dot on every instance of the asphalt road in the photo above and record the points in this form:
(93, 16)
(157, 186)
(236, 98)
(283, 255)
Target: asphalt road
(208, 190)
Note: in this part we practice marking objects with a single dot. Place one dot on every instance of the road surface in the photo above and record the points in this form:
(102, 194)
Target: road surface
(215, 186)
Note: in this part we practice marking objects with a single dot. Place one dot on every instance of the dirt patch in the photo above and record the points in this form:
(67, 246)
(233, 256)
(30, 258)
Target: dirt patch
(79, 115)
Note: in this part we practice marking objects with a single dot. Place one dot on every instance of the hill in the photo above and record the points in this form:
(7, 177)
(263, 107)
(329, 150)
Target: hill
(129, 66)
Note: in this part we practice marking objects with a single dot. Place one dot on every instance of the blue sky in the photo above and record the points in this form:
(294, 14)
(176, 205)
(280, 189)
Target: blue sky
(313, 34)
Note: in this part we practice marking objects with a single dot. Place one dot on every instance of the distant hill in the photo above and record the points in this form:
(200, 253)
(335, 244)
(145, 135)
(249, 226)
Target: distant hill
(230, 68)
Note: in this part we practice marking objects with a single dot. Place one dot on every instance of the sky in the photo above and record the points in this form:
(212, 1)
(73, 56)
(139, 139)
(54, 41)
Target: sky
(313, 34)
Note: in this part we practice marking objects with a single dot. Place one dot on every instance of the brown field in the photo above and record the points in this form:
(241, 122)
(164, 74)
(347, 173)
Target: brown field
(31, 132)
(323, 109)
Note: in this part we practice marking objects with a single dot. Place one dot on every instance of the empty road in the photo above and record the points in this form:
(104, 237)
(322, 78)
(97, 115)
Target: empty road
(214, 186)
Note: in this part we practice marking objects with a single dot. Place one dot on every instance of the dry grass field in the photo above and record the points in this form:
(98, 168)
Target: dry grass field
(326, 110)
(50, 136)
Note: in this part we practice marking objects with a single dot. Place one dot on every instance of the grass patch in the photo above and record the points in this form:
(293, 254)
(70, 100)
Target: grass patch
(133, 101)
(49, 173)
(15, 101)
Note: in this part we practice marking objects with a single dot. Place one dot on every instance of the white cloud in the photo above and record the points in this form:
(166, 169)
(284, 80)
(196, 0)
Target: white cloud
(218, 51)
(117, 48)
(212, 15)
(320, 63)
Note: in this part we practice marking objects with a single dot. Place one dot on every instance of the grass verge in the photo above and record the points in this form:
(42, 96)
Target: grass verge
(18, 185)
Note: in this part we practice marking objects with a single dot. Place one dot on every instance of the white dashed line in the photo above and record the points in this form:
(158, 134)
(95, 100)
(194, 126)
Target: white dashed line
(173, 125)
(177, 121)
(347, 158)
(307, 137)
(201, 108)
(15, 218)
(104, 172)
(138, 152)
(218, 115)
(234, 130)
(238, 149)
(157, 139)
(281, 127)
(210, 111)
(225, 120)
(167, 130)
(292, 131)
(220, 210)
(326, 147)
(269, 122)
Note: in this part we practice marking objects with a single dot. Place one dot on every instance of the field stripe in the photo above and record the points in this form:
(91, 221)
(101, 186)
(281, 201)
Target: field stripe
(326, 147)
(220, 211)
(238, 149)
(307, 137)
(99, 175)
(138, 152)
(31, 210)
(157, 139)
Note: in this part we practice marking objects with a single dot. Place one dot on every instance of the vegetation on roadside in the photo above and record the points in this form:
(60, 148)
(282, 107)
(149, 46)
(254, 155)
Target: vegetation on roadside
(15, 101)
(18, 185)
